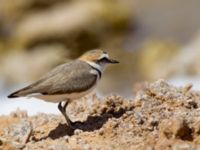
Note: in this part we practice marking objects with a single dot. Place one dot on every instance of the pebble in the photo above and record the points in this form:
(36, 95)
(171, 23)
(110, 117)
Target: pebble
(78, 131)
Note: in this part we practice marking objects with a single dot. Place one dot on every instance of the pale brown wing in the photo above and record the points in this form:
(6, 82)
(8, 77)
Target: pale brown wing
(62, 80)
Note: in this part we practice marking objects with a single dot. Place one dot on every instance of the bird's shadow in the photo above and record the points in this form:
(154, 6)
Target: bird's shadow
(92, 123)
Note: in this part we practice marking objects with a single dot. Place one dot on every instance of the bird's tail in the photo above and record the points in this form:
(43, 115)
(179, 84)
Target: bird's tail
(14, 94)
(21, 92)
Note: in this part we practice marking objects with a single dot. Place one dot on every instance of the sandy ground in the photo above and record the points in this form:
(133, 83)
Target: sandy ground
(161, 116)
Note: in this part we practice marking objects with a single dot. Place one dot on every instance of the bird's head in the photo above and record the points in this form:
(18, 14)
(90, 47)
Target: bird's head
(98, 59)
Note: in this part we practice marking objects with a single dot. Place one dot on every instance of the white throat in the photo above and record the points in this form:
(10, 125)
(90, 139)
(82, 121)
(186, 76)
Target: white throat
(97, 66)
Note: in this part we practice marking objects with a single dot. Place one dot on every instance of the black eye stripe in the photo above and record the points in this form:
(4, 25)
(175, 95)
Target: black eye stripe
(104, 59)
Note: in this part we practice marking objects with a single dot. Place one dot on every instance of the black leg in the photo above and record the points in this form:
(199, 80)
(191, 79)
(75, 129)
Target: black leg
(63, 111)
(69, 122)
(60, 107)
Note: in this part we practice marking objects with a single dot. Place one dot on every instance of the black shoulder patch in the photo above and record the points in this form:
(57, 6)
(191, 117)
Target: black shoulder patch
(99, 72)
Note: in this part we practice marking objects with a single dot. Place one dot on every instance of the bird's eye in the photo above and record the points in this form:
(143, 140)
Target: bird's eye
(104, 60)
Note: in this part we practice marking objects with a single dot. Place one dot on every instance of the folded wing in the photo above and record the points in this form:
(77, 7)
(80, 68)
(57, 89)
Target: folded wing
(61, 80)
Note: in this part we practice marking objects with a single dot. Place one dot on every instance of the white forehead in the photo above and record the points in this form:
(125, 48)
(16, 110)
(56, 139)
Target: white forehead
(104, 56)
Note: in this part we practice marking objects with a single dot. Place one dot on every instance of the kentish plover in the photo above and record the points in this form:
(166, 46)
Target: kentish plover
(69, 81)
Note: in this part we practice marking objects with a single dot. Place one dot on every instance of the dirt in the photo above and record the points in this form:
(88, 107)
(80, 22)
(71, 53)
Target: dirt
(159, 116)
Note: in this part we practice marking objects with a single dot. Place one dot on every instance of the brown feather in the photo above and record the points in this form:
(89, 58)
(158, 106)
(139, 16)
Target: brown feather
(64, 79)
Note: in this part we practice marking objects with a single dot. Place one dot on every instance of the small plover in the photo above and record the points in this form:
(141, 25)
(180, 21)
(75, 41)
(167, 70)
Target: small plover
(69, 81)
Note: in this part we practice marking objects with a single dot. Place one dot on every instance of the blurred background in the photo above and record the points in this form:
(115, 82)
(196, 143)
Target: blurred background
(152, 39)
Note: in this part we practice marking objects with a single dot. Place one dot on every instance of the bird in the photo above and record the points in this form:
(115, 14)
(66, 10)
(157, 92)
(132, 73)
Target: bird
(69, 81)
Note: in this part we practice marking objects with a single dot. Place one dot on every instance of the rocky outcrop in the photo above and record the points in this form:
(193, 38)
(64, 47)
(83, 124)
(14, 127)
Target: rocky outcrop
(160, 116)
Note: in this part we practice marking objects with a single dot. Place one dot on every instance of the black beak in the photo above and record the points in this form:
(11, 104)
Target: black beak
(112, 61)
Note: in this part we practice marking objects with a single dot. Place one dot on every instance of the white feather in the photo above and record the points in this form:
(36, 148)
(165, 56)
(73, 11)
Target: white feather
(97, 66)
(104, 56)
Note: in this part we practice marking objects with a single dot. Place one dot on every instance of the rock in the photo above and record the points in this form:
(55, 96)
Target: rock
(162, 121)
(19, 114)
(175, 128)
(19, 133)
(184, 146)
(45, 26)
(186, 61)
(43, 58)
(22, 132)
(56, 23)
(154, 56)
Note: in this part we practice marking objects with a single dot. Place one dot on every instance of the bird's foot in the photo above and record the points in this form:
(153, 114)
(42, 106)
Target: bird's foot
(71, 125)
